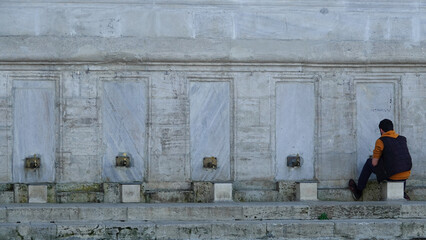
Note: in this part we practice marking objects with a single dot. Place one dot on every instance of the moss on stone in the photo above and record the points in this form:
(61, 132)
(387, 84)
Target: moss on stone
(79, 187)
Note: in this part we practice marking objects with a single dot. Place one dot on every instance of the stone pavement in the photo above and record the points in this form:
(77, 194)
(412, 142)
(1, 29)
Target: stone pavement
(278, 220)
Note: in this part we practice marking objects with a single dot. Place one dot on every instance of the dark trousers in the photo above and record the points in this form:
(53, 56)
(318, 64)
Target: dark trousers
(366, 172)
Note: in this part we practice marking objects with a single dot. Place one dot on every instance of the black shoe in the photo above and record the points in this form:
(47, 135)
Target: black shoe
(356, 194)
(407, 197)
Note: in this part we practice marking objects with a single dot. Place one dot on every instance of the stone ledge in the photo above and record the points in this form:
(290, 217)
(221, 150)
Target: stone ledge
(13, 213)
(34, 48)
(288, 229)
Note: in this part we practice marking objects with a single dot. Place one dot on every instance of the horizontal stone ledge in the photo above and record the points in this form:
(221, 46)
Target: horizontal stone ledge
(140, 50)
(289, 229)
(13, 213)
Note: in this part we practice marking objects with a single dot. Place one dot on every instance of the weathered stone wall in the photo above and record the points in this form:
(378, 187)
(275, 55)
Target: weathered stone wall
(146, 78)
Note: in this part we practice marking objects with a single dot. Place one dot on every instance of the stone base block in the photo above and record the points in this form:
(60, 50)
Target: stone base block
(37, 193)
(130, 193)
(306, 191)
(6, 197)
(256, 196)
(393, 191)
(222, 192)
(203, 192)
(168, 196)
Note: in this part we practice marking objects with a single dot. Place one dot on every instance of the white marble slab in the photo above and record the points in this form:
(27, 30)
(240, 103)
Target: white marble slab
(393, 191)
(34, 130)
(295, 129)
(375, 101)
(210, 129)
(223, 192)
(124, 116)
(37, 193)
(130, 193)
(306, 191)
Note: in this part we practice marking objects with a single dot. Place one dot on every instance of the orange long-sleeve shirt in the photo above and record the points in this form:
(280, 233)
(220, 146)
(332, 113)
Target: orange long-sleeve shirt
(377, 153)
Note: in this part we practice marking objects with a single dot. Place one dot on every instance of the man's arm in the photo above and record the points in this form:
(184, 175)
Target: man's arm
(377, 152)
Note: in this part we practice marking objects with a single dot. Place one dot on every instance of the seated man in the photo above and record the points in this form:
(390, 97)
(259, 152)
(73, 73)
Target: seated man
(391, 160)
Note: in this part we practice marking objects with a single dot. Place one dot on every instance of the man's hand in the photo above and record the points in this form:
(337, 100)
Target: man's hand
(374, 161)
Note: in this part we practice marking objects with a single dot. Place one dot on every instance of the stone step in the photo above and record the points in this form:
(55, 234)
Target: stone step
(255, 229)
(13, 213)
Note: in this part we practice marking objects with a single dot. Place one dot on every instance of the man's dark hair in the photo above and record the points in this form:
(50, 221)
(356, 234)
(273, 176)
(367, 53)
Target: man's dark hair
(386, 125)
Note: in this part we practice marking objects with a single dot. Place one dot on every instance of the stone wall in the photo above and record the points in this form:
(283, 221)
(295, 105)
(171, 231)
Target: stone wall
(171, 82)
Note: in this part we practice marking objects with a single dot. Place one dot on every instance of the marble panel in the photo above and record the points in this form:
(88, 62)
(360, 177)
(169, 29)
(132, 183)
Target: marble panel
(295, 129)
(34, 130)
(210, 129)
(374, 102)
(124, 113)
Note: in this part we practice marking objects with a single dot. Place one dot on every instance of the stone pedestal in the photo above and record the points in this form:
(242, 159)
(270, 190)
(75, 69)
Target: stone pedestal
(130, 193)
(306, 191)
(37, 193)
(223, 192)
(393, 191)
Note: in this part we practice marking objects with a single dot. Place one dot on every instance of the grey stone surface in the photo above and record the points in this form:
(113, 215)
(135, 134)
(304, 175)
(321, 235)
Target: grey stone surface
(414, 229)
(78, 230)
(130, 230)
(384, 229)
(287, 191)
(20, 192)
(236, 230)
(183, 231)
(203, 192)
(7, 197)
(375, 101)
(299, 229)
(35, 130)
(334, 194)
(413, 210)
(102, 213)
(182, 196)
(256, 196)
(287, 229)
(36, 231)
(8, 231)
(273, 212)
(3, 214)
(354, 220)
(41, 214)
(295, 128)
(357, 211)
(79, 197)
(125, 111)
(210, 129)
(112, 193)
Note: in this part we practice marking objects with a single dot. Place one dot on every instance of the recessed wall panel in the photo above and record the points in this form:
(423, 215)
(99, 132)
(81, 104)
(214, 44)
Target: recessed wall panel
(210, 129)
(34, 130)
(295, 129)
(375, 101)
(124, 117)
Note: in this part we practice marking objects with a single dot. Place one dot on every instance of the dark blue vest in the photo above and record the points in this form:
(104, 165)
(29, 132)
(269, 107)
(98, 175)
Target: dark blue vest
(395, 156)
